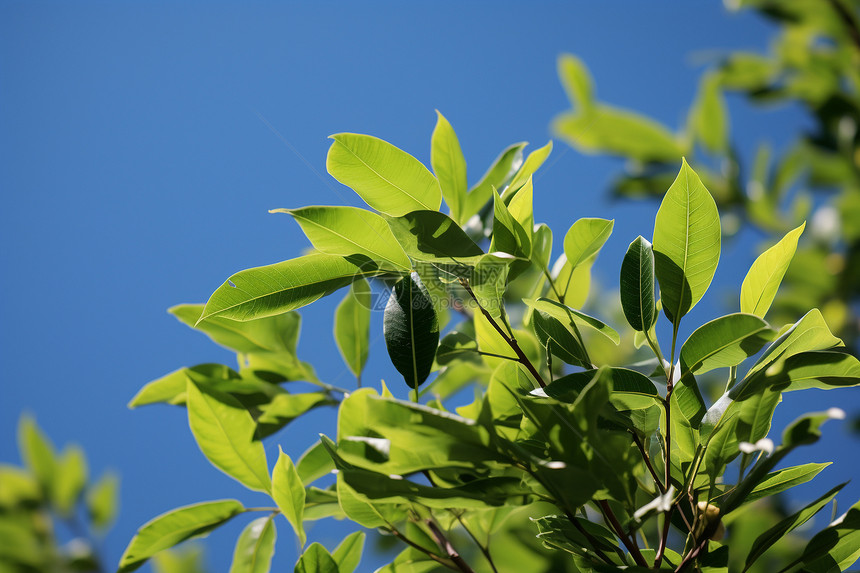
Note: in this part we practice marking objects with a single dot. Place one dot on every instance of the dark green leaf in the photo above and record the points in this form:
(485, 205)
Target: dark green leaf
(630, 389)
(637, 285)
(411, 330)
(430, 236)
(836, 547)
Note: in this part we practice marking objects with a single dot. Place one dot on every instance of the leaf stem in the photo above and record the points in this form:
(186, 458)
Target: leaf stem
(619, 531)
(647, 461)
(484, 549)
(442, 561)
(512, 342)
(445, 544)
(559, 296)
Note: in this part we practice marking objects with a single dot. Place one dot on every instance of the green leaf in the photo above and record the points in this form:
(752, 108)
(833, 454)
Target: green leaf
(509, 236)
(762, 281)
(102, 500)
(273, 334)
(314, 463)
(448, 163)
(348, 553)
(348, 231)
(630, 389)
(497, 176)
(174, 527)
(224, 431)
(255, 547)
(686, 243)
(316, 559)
(70, 479)
(430, 236)
(601, 128)
(573, 318)
(585, 238)
(559, 339)
(766, 540)
(724, 342)
(288, 491)
(37, 453)
(532, 163)
(488, 282)
(637, 285)
(188, 559)
(457, 346)
(782, 480)
(352, 326)
(836, 547)
(387, 178)
(709, 119)
(576, 81)
(170, 389)
(411, 330)
(821, 369)
(273, 289)
(284, 408)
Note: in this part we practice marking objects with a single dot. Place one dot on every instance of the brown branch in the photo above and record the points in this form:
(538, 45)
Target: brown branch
(647, 461)
(449, 549)
(427, 552)
(619, 531)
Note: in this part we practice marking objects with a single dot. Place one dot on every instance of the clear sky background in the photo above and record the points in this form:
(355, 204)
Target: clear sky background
(138, 158)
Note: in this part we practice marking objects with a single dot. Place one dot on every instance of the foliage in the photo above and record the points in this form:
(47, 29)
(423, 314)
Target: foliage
(52, 515)
(812, 65)
(564, 461)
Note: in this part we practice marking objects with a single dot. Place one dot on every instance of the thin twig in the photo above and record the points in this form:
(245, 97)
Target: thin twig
(647, 461)
(619, 531)
(484, 549)
(445, 544)
(424, 550)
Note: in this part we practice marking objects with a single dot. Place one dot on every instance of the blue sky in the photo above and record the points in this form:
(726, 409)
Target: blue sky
(141, 145)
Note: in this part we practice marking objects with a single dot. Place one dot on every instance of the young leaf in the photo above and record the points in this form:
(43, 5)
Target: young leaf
(352, 326)
(782, 480)
(411, 330)
(790, 523)
(387, 178)
(532, 163)
(488, 282)
(585, 238)
(316, 559)
(102, 500)
(448, 163)
(686, 243)
(724, 342)
(224, 431)
(348, 231)
(348, 553)
(314, 463)
(430, 236)
(70, 479)
(289, 493)
(762, 281)
(497, 177)
(273, 289)
(174, 527)
(509, 236)
(255, 547)
(37, 453)
(709, 120)
(637, 285)
(278, 333)
(576, 82)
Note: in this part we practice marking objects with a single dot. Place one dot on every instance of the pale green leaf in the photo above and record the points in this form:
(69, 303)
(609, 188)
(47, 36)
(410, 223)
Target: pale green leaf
(782, 480)
(762, 281)
(273, 289)
(497, 176)
(585, 238)
(349, 231)
(276, 334)
(102, 500)
(724, 342)
(449, 165)
(176, 526)
(316, 559)
(686, 243)
(352, 326)
(70, 479)
(37, 453)
(314, 464)
(387, 178)
(255, 547)
(532, 163)
(709, 119)
(576, 81)
(348, 553)
(224, 431)
(170, 389)
(288, 491)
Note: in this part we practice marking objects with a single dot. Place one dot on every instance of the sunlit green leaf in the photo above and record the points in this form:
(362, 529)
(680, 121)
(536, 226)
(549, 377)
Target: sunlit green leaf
(170, 389)
(176, 526)
(576, 81)
(724, 342)
(573, 318)
(430, 236)
(352, 326)
(348, 553)
(37, 453)
(288, 491)
(103, 500)
(316, 559)
(509, 236)
(821, 369)
(448, 163)
(530, 166)
(686, 243)
(637, 285)
(411, 330)
(70, 479)
(585, 238)
(314, 463)
(836, 547)
(272, 334)
(255, 547)
(224, 431)
(349, 231)
(630, 389)
(762, 281)
(709, 119)
(784, 479)
(266, 291)
(497, 177)
(387, 178)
